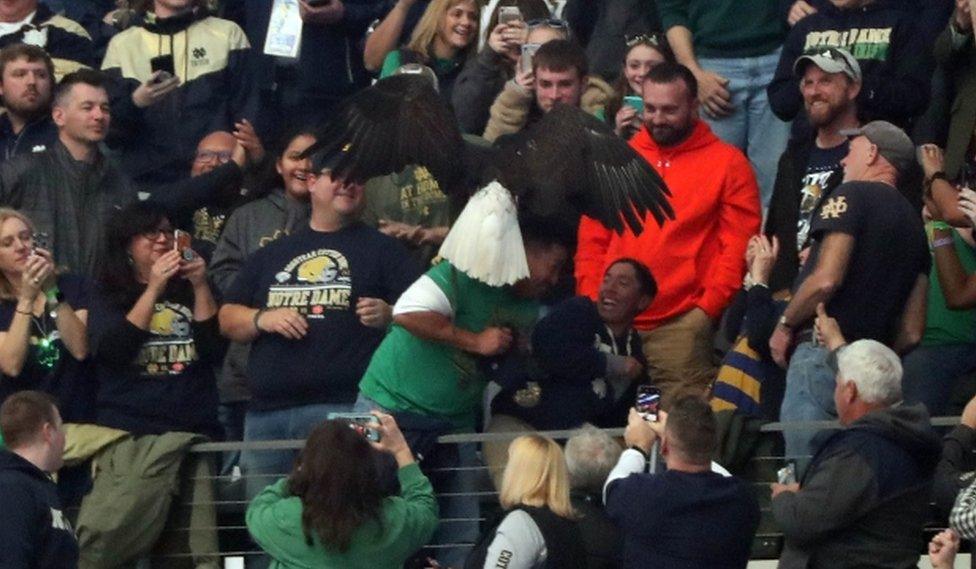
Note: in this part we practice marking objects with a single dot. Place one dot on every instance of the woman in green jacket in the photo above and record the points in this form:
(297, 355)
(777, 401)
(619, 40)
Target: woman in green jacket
(331, 511)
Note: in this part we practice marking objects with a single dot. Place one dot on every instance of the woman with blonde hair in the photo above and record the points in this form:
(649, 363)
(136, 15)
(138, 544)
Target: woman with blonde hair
(445, 37)
(43, 315)
(539, 528)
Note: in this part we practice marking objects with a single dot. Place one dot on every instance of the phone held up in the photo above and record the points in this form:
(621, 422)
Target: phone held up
(38, 241)
(528, 52)
(163, 64)
(181, 243)
(363, 423)
(648, 401)
(509, 14)
(787, 474)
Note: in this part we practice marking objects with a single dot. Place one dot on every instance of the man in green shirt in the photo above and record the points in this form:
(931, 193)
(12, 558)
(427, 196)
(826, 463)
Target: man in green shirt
(426, 371)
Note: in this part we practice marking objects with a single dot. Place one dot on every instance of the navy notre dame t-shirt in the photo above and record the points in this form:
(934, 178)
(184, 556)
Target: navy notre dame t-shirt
(54, 371)
(322, 276)
(890, 252)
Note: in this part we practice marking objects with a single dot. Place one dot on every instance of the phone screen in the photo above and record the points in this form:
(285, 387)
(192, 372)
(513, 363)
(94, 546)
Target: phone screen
(648, 401)
(363, 423)
(163, 63)
(181, 242)
(635, 102)
(528, 52)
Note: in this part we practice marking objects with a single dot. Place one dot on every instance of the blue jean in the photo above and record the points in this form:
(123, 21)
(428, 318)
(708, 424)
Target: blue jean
(263, 467)
(809, 397)
(930, 372)
(752, 126)
(455, 480)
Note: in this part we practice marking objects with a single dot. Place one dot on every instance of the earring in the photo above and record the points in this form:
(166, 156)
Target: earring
(130, 259)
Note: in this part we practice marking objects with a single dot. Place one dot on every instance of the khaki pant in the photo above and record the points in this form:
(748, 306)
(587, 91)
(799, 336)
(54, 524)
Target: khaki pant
(680, 355)
(495, 453)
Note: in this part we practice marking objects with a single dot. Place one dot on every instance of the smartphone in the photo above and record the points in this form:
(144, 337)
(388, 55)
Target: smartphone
(163, 63)
(317, 3)
(787, 474)
(509, 14)
(637, 103)
(528, 52)
(648, 401)
(363, 423)
(38, 241)
(181, 243)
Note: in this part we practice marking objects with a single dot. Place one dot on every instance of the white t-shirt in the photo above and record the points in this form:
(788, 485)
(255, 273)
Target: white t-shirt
(7, 28)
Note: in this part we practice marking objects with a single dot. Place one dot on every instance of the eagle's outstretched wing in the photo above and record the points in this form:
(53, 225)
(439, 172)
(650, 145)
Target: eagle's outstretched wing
(569, 163)
(400, 121)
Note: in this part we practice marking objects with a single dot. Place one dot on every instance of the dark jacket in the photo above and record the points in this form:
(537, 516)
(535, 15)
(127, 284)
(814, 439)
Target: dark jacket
(68, 199)
(603, 26)
(210, 57)
(864, 498)
(330, 61)
(249, 228)
(36, 136)
(956, 469)
(784, 211)
(959, 61)
(481, 80)
(35, 534)
(71, 200)
(602, 540)
(931, 15)
(895, 62)
(68, 44)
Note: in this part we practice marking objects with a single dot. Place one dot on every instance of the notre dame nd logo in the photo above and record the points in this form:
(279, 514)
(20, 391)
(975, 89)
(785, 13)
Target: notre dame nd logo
(834, 208)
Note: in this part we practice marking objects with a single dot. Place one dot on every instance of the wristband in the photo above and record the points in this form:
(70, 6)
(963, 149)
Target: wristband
(646, 456)
(942, 242)
(940, 175)
(941, 226)
(24, 312)
(257, 315)
(782, 322)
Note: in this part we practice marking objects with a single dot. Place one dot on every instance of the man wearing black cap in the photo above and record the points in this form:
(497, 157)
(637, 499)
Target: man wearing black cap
(314, 305)
(809, 170)
(868, 265)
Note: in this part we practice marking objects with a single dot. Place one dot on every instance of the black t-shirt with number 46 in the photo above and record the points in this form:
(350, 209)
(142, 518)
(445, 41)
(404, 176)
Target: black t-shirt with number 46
(890, 251)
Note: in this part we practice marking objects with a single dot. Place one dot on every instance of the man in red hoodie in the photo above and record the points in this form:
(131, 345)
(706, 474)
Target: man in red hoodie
(698, 258)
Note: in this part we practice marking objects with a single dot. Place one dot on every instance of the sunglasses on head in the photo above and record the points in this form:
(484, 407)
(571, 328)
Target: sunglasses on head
(833, 54)
(653, 40)
(548, 22)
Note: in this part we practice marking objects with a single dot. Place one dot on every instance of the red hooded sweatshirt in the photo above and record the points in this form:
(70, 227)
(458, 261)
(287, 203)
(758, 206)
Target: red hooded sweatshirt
(698, 258)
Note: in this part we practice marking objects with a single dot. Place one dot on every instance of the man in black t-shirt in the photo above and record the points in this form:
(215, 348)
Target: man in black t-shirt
(314, 305)
(868, 265)
(809, 169)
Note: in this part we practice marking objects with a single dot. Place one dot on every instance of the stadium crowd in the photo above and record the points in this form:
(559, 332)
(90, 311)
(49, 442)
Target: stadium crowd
(185, 257)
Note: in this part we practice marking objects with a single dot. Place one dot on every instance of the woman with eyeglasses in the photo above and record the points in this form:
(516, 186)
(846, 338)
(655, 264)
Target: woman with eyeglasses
(484, 76)
(43, 315)
(625, 109)
(445, 37)
(153, 330)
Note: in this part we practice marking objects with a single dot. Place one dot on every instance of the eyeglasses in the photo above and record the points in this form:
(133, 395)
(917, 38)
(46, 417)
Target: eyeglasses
(653, 40)
(154, 234)
(208, 155)
(549, 23)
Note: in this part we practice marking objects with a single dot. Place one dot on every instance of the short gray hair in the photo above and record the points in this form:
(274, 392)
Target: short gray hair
(590, 456)
(874, 368)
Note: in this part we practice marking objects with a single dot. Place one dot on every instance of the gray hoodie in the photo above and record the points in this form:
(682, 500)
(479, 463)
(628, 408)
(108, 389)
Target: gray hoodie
(249, 228)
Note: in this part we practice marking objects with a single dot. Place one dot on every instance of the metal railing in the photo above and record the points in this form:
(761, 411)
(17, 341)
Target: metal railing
(231, 502)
